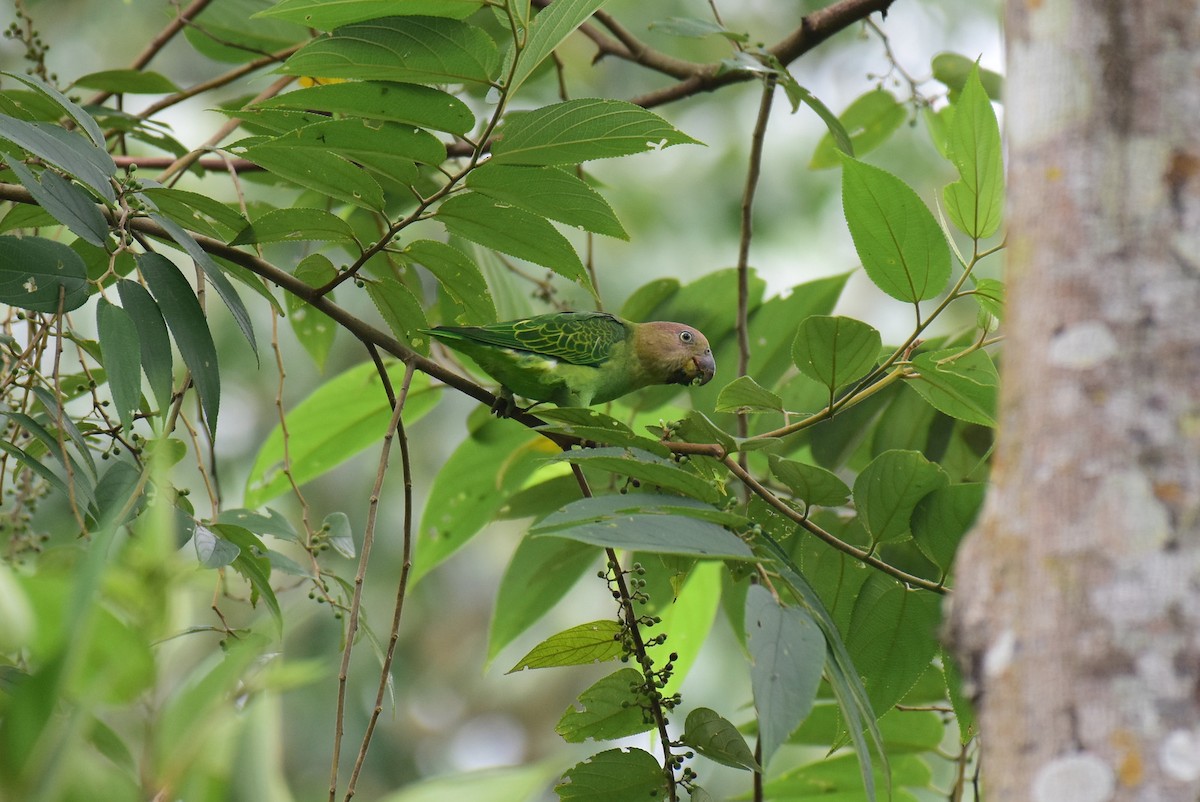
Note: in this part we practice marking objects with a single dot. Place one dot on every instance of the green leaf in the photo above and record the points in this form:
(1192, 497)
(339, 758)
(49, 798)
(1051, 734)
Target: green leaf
(811, 484)
(549, 192)
(421, 50)
(70, 205)
(989, 294)
(122, 359)
(296, 225)
(695, 28)
(128, 82)
(401, 310)
(40, 275)
(889, 488)
(471, 486)
(771, 353)
(341, 536)
(346, 414)
(964, 388)
(195, 211)
(787, 652)
(903, 731)
(837, 779)
(253, 564)
(227, 31)
(458, 275)
(325, 15)
(326, 173)
(580, 130)
(549, 29)
(314, 329)
(154, 343)
(69, 107)
(797, 94)
(688, 610)
(269, 522)
(645, 523)
(606, 711)
(34, 465)
(955, 70)
(615, 775)
(964, 713)
(648, 468)
(387, 148)
(743, 394)
(718, 740)
(540, 573)
(901, 246)
(411, 104)
(595, 642)
(938, 124)
(593, 425)
(940, 520)
(514, 784)
(189, 327)
(869, 121)
(835, 350)
(212, 550)
(513, 231)
(893, 638)
(975, 203)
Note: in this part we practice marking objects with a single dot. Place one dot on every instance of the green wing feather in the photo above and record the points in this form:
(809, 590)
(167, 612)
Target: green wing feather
(579, 338)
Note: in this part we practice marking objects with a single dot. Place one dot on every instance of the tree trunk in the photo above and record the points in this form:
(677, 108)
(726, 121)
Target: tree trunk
(1077, 614)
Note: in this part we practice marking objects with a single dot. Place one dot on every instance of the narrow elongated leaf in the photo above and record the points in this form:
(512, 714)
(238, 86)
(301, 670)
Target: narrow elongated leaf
(41, 275)
(549, 28)
(34, 465)
(326, 173)
(940, 520)
(154, 342)
(313, 328)
(787, 651)
(606, 711)
(70, 205)
(513, 231)
(196, 212)
(549, 192)
(581, 130)
(889, 488)
(595, 642)
(128, 82)
(413, 104)
(718, 740)
(615, 775)
(122, 359)
(976, 201)
(900, 244)
(69, 151)
(868, 122)
(835, 350)
(70, 107)
(964, 388)
(340, 418)
(189, 327)
(422, 50)
(296, 225)
(797, 94)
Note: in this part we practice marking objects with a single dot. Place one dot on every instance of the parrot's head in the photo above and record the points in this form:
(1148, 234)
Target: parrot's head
(680, 354)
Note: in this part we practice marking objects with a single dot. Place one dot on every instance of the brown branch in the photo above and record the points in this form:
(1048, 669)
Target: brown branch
(220, 80)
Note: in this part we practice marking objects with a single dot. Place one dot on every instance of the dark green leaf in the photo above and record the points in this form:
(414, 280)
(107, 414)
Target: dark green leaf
(340, 418)
(412, 104)
(129, 82)
(940, 520)
(606, 711)
(540, 573)
(324, 172)
(550, 192)
(459, 277)
(227, 31)
(888, 489)
(189, 327)
(296, 225)
(744, 394)
(70, 205)
(553, 24)
(835, 350)
(868, 121)
(194, 211)
(615, 775)
(901, 246)
(402, 312)
(964, 713)
(122, 359)
(313, 328)
(513, 231)
(325, 16)
(69, 151)
(718, 740)
(253, 564)
(963, 387)
(579, 130)
(813, 485)
(787, 651)
(154, 343)
(421, 50)
(893, 638)
(69, 107)
(40, 275)
(597, 642)
(387, 148)
(646, 467)
(975, 202)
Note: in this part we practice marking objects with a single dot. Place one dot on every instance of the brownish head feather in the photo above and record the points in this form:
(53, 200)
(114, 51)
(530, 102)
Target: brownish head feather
(672, 353)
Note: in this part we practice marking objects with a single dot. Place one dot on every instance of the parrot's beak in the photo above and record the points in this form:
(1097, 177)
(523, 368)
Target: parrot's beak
(705, 367)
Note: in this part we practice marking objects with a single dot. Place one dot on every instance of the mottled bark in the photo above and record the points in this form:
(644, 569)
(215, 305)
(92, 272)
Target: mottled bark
(1077, 613)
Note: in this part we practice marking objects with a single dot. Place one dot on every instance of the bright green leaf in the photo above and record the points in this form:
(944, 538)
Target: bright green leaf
(129, 82)
(954, 71)
(940, 520)
(650, 469)
(868, 121)
(744, 394)
(550, 192)
(459, 277)
(975, 202)
(296, 225)
(595, 642)
(962, 387)
(412, 104)
(811, 484)
(324, 172)
(401, 310)
(314, 329)
(325, 15)
(615, 775)
(550, 27)
(835, 350)
(606, 711)
(771, 353)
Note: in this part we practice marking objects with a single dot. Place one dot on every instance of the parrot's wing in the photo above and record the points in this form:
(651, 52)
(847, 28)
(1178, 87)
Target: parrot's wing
(580, 338)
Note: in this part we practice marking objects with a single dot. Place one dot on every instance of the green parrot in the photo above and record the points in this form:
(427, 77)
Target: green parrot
(582, 358)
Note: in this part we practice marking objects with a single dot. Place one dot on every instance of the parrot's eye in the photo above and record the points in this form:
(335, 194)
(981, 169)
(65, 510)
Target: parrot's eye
(685, 336)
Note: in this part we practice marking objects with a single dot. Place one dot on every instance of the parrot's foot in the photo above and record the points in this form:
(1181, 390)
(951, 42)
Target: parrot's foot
(504, 406)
